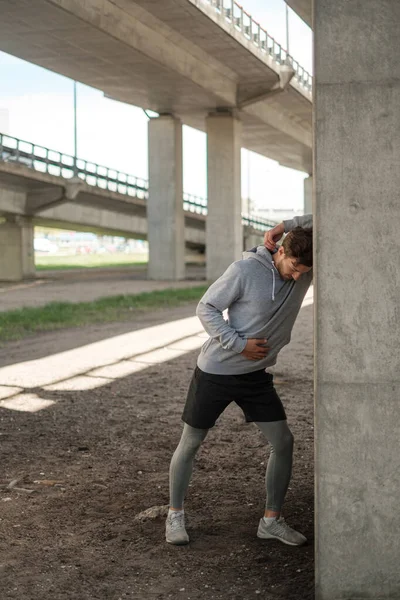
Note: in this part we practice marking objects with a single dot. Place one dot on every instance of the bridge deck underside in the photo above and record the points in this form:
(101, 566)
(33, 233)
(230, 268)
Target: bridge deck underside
(180, 61)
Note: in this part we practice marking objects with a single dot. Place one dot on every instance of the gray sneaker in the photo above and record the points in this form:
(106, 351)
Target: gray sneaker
(280, 530)
(175, 532)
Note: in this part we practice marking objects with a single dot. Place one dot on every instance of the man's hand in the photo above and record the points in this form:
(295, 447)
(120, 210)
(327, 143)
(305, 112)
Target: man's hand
(272, 236)
(256, 349)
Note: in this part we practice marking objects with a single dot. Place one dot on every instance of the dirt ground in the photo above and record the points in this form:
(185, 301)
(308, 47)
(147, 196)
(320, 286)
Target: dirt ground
(96, 459)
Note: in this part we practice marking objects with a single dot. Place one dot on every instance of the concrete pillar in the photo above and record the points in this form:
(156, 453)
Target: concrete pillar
(308, 195)
(224, 237)
(357, 221)
(252, 238)
(17, 258)
(165, 205)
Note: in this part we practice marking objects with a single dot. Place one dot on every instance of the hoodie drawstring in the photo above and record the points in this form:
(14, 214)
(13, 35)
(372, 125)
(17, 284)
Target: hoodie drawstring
(273, 285)
(264, 256)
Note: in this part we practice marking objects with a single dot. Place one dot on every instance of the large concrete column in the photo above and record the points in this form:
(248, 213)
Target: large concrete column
(17, 258)
(357, 224)
(165, 204)
(224, 237)
(308, 195)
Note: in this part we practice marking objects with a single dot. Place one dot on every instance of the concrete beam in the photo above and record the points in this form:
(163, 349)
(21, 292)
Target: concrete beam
(39, 199)
(24, 190)
(12, 201)
(100, 220)
(91, 218)
(153, 42)
(272, 112)
(357, 175)
(95, 209)
(285, 76)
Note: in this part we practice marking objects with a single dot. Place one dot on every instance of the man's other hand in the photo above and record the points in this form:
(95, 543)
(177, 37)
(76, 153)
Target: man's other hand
(272, 236)
(256, 349)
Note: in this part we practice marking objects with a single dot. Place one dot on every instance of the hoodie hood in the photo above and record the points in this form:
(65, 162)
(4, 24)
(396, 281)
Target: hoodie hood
(261, 254)
(264, 256)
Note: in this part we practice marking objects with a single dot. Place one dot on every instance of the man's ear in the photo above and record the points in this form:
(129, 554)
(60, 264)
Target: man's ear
(281, 251)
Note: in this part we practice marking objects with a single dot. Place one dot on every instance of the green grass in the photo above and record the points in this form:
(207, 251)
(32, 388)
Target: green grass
(17, 324)
(89, 261)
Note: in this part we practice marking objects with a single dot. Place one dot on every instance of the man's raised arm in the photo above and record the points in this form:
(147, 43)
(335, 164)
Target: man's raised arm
(272, 236)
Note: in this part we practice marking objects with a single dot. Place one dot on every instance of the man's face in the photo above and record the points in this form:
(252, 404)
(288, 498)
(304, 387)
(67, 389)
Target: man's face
(288, 267)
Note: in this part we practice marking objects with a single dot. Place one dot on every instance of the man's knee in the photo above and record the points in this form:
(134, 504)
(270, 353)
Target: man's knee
(192, 438)
(285, 443)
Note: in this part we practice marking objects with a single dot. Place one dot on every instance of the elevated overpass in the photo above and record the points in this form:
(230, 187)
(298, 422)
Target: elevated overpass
(205, 63)
(45, 187)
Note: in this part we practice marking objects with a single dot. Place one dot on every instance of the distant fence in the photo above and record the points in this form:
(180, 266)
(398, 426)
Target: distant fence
(57, 163)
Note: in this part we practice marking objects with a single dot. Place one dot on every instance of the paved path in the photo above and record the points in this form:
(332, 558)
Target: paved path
(86, 285)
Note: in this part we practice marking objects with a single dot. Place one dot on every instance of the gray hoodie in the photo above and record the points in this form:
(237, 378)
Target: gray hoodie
(260, 305)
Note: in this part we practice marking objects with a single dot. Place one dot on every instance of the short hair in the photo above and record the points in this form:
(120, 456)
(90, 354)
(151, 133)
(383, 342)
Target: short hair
(298, 244)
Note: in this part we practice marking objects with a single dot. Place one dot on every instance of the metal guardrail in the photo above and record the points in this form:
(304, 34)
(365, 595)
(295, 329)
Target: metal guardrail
(194, 204)
(235, 14)
(257, 223)
(57, 163)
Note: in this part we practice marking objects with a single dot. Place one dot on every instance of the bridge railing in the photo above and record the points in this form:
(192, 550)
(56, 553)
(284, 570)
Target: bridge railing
(235, 14)
(59, 164)
(194, 204)
(257, 223)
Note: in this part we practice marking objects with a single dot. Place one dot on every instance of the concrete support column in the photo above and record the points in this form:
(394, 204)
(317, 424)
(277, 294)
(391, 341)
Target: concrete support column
(17, 258)
(252, 238)
(224, 237)
(308, 195)
(357, 282)
(165, 204)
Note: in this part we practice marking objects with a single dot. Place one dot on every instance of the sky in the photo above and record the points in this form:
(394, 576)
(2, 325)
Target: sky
(37, 105)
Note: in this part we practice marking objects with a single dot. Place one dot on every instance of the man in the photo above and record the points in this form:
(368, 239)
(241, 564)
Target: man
(263, 294)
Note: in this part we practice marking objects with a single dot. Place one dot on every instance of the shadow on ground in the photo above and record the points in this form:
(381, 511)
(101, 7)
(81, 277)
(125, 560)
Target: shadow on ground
(51, 342)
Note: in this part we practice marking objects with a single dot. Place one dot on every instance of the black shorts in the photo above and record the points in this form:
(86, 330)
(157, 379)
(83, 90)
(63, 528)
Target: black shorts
(209, 395)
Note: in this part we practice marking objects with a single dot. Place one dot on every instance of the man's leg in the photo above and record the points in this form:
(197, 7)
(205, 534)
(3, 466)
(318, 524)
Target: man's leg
(181, 467)
(277, 477)
(207, 398)
(180, 473)
(279, 468)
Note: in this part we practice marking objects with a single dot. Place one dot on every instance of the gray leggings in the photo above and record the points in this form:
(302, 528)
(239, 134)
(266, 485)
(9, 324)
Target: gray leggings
(278, 472)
